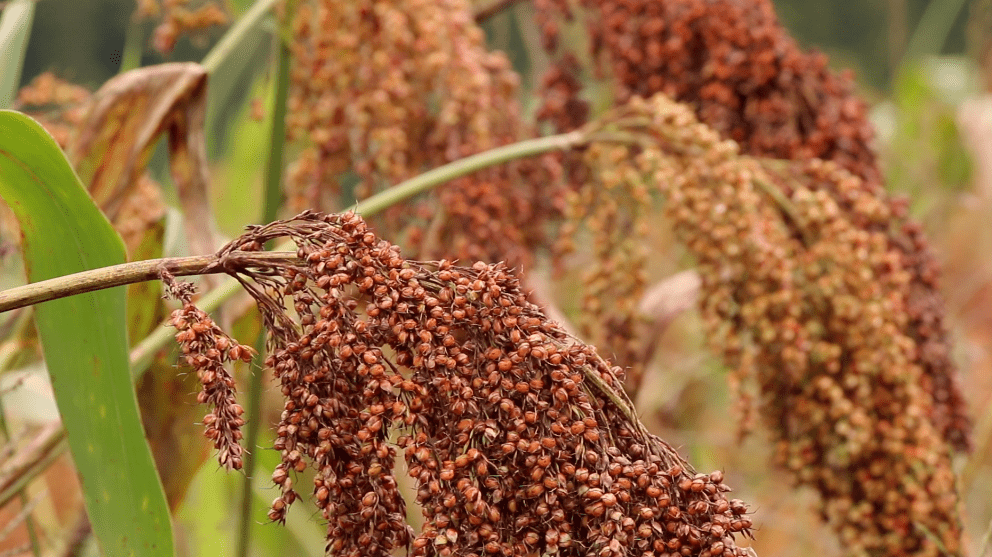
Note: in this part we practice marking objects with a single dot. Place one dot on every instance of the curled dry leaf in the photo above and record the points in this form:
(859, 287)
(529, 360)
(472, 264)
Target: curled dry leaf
(116, 137)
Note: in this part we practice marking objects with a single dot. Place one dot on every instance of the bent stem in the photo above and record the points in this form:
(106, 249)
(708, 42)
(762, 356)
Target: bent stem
(139, 271)
(431, 178)
(128, 273)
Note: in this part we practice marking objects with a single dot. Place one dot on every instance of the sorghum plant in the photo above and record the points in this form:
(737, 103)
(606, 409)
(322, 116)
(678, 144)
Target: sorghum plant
(803, 292)
(208, 350)
(519, 437)
(748, 80)
(57, 104)
(179, 18)
(733, 61)
(421, 91)
(613, 205)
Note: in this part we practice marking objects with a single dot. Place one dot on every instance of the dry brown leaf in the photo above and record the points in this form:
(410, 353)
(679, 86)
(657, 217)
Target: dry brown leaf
(125, 119)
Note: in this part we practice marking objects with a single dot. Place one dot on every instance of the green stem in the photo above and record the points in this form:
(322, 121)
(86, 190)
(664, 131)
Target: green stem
(933, 29)
(468, 165)
(134, 43)
(270, 211)
(232, 39)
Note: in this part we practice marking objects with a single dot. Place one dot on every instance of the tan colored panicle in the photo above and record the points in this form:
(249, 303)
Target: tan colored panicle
(803, 292)
(747, 79)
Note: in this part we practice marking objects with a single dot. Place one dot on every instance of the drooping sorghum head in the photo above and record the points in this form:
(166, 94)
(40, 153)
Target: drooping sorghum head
(746, 78)
(208, 350)
(519, 437)
(804, 293)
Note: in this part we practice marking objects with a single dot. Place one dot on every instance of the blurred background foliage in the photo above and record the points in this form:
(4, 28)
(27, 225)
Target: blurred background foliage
(925, 67)
(868, 36)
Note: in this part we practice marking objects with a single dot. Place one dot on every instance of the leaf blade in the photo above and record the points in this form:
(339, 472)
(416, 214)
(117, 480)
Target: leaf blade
(15, 30)
(85, 342)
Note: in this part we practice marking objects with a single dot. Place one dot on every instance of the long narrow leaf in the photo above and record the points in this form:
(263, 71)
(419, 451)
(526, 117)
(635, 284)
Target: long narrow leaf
(15, 28)
(85, 342)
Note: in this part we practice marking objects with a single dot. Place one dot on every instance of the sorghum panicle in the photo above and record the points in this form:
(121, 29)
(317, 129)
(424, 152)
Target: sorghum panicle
(614, 206)
(803, 292)
(519, 437)
(390, 89)
(733, 61)
(208, 350)
(179, 18)
(748, 80)
(58, 105)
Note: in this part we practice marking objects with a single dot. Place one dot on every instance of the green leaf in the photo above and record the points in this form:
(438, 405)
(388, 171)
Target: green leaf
(85, 342)
(15, 28)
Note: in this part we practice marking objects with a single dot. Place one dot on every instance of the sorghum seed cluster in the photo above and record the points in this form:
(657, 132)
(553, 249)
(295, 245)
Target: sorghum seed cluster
(208, 350)
(803, 292)
(747, 79)
(519, 437)
(733, 61)
(613, 207)
(56, 104)
(179, 19)
(382, 91)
